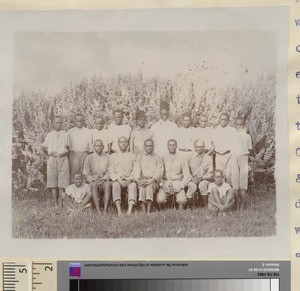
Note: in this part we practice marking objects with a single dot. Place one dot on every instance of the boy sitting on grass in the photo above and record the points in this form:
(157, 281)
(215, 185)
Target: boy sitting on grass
(221, 195)
(77, 195)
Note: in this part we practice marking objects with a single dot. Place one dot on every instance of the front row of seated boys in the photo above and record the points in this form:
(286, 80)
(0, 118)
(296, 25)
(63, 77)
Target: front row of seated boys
(147, 178)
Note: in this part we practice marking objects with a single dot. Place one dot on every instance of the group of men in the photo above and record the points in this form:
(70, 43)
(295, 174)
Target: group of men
(149, 165)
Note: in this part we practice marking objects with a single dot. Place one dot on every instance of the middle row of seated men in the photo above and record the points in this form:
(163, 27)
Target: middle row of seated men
(148, 177)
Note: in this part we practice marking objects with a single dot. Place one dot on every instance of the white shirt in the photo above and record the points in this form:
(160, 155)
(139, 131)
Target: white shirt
(78, 193)
(223, 137)
(100, 134)
(222, 189)
(115, 131)
(163, 131)
(242, 143)
(186, 138)
(57, 141)
(206, 134)
(80, 139)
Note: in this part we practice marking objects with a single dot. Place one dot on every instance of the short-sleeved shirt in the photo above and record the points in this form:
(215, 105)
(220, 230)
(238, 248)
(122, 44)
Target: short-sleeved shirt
(163, 131)
(78, 193)
(242, 143)
(222, 189)
(186, 138)
(223, 137)
(121, 165)
(138, 137)
(57, 141)
(204, 133)
(101, 135)
(80, 139)
(115, 131)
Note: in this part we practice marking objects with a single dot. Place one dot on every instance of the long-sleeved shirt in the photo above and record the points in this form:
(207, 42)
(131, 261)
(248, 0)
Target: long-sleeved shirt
(137, 139)
(57, 141)
(115, 131)
(223, 137)
(163, 131)
(176, 169)
(80, 139)
(121, 165)
(95, 166)
(148, 166)
(201, 165)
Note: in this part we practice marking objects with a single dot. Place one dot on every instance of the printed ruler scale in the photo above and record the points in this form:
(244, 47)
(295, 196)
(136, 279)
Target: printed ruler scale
(30, 276)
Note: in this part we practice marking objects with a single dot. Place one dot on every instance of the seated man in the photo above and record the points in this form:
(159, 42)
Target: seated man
(201, 166)
(175, 178)
(148, 171)
(95, 171)
(221, 195)
(77, 195)
(120, 172)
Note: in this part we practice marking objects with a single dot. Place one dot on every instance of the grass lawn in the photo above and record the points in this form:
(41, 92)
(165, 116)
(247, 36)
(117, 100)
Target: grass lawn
(34, 217)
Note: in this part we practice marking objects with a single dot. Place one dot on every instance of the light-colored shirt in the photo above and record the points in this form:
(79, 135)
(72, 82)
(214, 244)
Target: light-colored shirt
(137, 139)
(100, 134)
(57, 141)
(163, 131)
(121, 165)
(148, 166)
(176, 168)
(80, 139)
(223, 137)
(204, 133)
(242, 143)
(201, 165)
(186, 138)
(115, 131)
(78, 193)
(96, 165)
(222, 189)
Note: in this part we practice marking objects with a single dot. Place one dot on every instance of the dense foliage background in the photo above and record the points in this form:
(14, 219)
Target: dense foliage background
(32, 114)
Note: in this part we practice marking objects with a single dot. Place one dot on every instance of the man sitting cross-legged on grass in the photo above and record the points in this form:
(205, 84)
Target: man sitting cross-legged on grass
(201, 166)
(221, 195)
(95, 170)
(120, 171)
(175, 178)
(148, 171)
(77, 195)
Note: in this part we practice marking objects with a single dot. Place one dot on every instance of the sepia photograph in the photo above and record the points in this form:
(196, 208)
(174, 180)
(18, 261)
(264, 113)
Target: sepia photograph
(144, 134)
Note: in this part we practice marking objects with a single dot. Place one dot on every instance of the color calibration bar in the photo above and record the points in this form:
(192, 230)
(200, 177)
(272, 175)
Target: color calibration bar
(176, 285)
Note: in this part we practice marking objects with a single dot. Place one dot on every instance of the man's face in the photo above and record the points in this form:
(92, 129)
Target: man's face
(149, 147)
(218, 178)
(172, 146)
(79, 121)
(224, 120)
(57, 124)
(141, 122)
(98, 147)
(240, 124)
(118, 117)
(186, 122)
(199, 148)
(164, 114)
(99, 122)
(123, 144)
(203, 121)
(78, 180)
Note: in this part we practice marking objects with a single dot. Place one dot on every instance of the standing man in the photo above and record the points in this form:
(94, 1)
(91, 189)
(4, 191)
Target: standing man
(205, 133)
(241, 150)
(95, 170)
(57, 145)
(222, 138)
(163, 130)
(201, 167)
(175, 178)
(186, 136)
(120, 171)
(148, 171)
(99, 132)
(140, 134)
(80, 145)
(117, 129)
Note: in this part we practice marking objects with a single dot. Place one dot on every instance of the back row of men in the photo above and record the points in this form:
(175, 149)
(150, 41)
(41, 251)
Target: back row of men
(164, 159)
